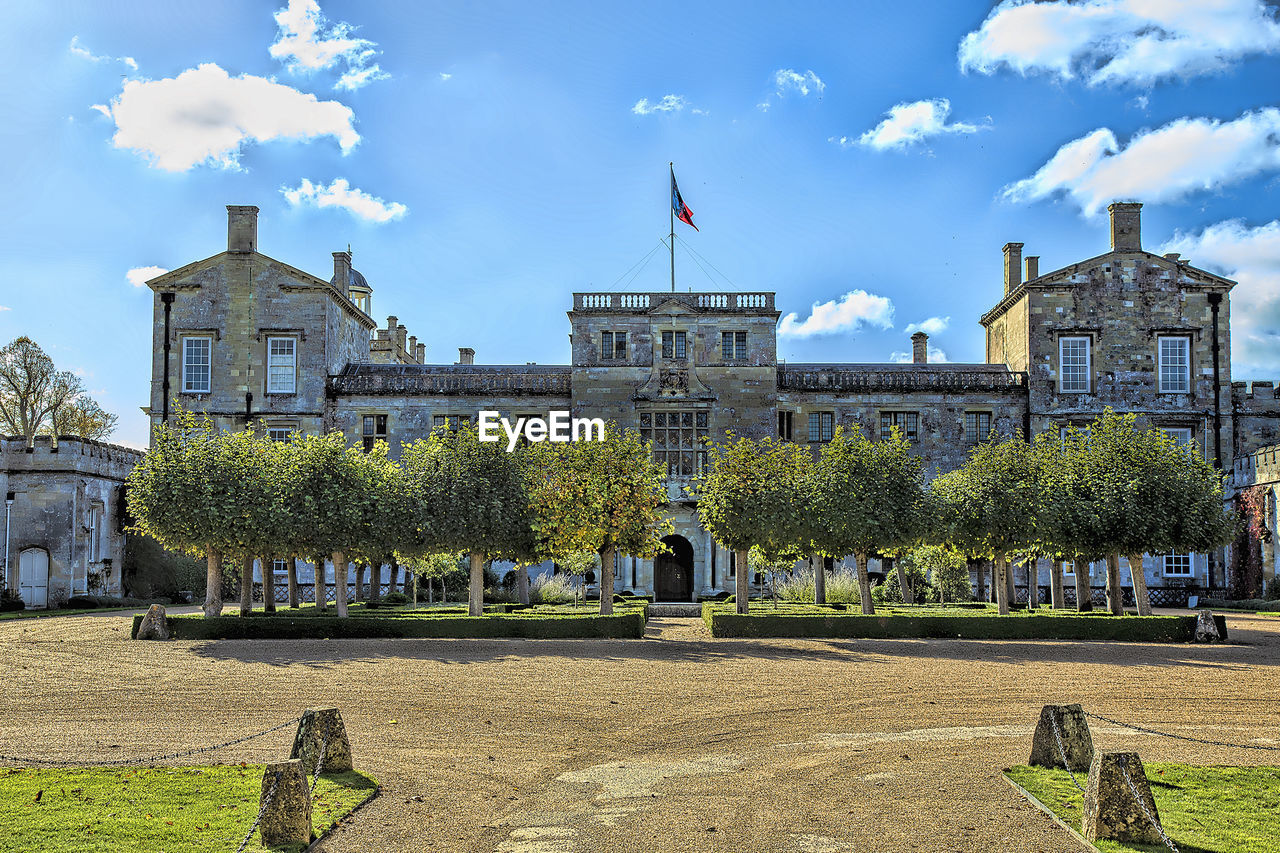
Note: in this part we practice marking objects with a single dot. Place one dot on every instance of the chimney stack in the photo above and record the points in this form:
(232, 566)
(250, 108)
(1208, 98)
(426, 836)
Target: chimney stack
(401, 332)
(1033, 267)
(420, 353)
(466, 355)
(413, 346)
(919, 348)
(242, 228)
(342, 271)
(1126, 226)
(1012, 266)
(392, 322)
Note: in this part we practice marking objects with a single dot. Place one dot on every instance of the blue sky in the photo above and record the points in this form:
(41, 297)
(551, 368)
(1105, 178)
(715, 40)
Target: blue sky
(485, 160)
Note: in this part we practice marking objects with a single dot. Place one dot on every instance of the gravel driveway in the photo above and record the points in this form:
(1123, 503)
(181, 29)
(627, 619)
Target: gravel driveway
(678, 742)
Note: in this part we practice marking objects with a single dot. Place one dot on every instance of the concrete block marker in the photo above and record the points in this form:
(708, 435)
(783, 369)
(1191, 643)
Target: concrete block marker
(154, 625)
(1206, 627)
(285, 804)
(1062, 738)
(1118, 804)
(321, 742)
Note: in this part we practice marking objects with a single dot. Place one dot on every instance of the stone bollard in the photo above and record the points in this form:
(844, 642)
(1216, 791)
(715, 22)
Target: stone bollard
(322, 727)
(1077, 742)
(154, 625)
(1110, 810)
(1207, 627)
(286, 818)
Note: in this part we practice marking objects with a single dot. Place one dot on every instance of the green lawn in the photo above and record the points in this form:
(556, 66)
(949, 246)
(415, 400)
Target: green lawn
(170, 809)
(1204, 809)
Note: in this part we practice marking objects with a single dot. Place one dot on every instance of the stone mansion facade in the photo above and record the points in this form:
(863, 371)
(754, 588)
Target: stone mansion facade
(246, 339)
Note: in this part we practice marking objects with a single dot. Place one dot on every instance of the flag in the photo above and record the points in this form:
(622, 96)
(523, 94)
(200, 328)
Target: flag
(682, 211)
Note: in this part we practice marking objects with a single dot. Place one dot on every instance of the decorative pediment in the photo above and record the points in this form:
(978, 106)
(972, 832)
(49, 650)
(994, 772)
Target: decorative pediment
(671, 306)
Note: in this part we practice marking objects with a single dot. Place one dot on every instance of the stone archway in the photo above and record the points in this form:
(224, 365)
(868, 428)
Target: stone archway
(673, 572)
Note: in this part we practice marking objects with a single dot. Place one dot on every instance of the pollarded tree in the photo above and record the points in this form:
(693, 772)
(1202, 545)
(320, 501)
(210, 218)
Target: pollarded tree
(753, 494)
(395, 519)
(336, 502)
(605, 496)
(197, 490)
(992, 506)
(865, 497)
(471, 496)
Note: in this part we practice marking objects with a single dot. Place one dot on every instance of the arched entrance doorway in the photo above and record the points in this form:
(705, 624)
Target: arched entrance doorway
(33, 577)
(673, 572)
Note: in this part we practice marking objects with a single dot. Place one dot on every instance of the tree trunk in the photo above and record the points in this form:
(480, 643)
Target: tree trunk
(393, 566)
(431, 590)
(1011, 591)
(819, 579)
(1140, 595)
(375, 581)
(359, 582)
(340, 569)
(1001, 584)
(291, 566)
(1115, 595)
(606, 581)
(213, 585)
(415, 588)
(1033, 583)
(522, 583)
(1084, 586)
(475, 603)
(321, 596)
(982, 579)
(908, 595)
(864, 584)
(1055, 585)
(392, 581)
(741, 581)
(246, 585)
(268, 583)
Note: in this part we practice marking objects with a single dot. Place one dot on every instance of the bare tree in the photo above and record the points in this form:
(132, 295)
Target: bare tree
(83, 418)
(33, 393)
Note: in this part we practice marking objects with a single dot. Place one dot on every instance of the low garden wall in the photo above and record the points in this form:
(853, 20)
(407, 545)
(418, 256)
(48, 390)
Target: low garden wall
(789, 620)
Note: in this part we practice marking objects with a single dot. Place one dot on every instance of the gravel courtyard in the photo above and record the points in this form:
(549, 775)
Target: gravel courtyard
(677, 742)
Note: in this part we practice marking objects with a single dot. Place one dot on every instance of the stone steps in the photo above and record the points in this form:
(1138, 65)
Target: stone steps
(678, 609)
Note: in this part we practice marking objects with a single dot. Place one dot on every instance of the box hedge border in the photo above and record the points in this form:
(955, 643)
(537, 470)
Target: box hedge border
(627, 624)
(722, 622)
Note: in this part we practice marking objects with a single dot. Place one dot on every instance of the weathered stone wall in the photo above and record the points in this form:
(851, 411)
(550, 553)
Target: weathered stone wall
(55, 490)
(1255, 416)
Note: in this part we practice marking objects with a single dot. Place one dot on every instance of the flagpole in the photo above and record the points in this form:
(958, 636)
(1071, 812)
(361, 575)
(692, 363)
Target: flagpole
(672, 164)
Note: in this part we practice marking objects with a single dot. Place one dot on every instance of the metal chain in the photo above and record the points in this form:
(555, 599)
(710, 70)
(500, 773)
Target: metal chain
(150, 759)
(262, 811)
(1142, 804)
(1183, 737)
(324, 750)
(1053, 718)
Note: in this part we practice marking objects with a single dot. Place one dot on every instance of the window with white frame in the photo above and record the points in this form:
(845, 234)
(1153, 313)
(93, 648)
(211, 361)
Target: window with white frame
(1181, 435)
(196, 364)
(282, 365)
(279, 567)
(1177, 565)
(279, 433)
(1175, 365)
(1074, 365)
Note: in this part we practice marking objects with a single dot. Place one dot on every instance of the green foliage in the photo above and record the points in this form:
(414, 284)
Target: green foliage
(993, 504)
(329, 495)
(553, 589)
(890, 592)
(947, 569)
(11, 601)
(866, 496)
(152, 571)
(752, 494)
(842, 588)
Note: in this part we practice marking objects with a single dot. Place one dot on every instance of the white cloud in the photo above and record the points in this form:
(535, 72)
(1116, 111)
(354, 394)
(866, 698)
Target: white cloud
(931, 326)
(787, 80)
(139, 276)
(934, 355)
(1120, 41)
(444, 76)
(5, 308)
(668, 104)
(1251, 256)
(308, 42)
(849, 312)
(206, 116)
(341, 194)
(1164, 164)
(908, 124)
(80, 50)
(102, 108)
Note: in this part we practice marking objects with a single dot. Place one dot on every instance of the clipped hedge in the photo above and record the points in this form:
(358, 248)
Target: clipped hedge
(815, 621)
(1248, 605)
(628, 623)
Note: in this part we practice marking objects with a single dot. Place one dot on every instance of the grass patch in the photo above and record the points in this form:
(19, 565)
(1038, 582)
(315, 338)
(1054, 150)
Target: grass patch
(943, 622)
(170, 809)
(1203, 809)
(424, 622)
